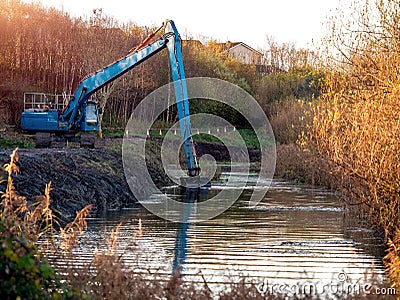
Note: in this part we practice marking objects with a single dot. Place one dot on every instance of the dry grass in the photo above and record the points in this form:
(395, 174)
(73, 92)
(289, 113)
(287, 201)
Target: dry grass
(299, 164)
(289, 119)
(357, 132)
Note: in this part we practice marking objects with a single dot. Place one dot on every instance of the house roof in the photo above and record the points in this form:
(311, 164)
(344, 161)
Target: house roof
(246, 46)
(231, 45)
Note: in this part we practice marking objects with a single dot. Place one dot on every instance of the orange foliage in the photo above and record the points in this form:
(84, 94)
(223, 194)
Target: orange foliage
(356, 127)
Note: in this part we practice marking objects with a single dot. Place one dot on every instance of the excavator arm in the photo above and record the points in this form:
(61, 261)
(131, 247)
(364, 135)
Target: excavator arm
(92, 83)
(101, 78)
(71, 119)
(181, 95)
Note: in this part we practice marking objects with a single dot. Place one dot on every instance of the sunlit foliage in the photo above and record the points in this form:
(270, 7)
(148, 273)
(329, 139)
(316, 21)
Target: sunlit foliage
(356, 126)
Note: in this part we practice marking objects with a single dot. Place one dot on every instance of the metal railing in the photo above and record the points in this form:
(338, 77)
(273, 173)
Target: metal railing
(45, 102)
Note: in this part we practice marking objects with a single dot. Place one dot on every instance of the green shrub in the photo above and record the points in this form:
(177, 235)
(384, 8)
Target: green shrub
(23, 272)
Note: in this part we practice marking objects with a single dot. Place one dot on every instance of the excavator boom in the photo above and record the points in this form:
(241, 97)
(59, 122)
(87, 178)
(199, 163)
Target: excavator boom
(81, 114)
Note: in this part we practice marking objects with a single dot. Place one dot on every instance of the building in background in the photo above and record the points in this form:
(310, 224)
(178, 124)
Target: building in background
(244, 53)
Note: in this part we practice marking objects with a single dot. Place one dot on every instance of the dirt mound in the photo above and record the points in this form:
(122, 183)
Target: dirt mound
(79, 177)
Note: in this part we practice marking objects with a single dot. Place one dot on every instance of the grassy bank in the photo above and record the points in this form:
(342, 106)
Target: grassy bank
(14, 139)
(214, 137)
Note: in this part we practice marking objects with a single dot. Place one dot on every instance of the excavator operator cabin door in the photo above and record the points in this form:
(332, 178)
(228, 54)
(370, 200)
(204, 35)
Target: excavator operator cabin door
(91, 117)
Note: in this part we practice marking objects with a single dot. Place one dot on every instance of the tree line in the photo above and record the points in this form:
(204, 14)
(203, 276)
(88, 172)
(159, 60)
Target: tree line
(47, 50)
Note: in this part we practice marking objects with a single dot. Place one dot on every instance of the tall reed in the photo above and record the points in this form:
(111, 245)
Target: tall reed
(356, 125)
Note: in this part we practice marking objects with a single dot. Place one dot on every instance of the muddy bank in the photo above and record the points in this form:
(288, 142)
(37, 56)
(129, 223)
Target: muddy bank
(79, 177)
(89, 176)
(221, 153)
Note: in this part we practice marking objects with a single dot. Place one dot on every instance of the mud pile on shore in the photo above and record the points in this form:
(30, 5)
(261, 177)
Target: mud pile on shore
(78, 177)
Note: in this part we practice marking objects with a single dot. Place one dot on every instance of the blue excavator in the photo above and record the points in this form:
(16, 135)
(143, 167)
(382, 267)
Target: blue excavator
(45, 115)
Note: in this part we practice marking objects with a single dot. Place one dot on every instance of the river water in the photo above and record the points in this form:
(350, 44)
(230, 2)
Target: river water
(299, 239)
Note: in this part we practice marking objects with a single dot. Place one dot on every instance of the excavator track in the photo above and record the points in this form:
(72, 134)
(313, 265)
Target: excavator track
(47, 140)
(42, 140)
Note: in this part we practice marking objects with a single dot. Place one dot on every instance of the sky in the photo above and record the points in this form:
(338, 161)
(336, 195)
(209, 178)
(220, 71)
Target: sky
(251, 21)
